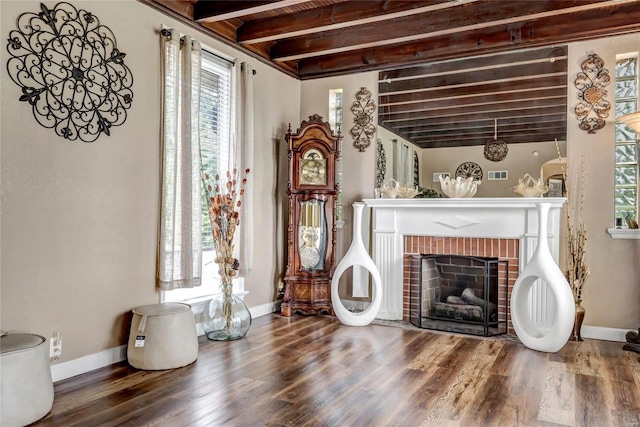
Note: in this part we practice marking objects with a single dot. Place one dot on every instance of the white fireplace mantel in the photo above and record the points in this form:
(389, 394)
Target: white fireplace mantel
(508, 218)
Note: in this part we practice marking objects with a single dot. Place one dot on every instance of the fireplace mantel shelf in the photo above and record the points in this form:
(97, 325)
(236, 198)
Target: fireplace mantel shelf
(478, 203)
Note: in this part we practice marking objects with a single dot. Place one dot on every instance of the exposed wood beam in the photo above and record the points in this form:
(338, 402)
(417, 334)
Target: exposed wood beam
(511, 73)
(480, 100)
(534, 83)
(494, 111)
(336, 16)
(488, 134)
(458, 19)
(554, 122)
(620, 18)
(475, 64)
(491, 115)
(211, 11)
(546, 137)
(476, 123)
(226, 29)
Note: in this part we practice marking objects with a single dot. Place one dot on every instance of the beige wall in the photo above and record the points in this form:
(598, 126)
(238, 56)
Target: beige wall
(79, 220)
(612, 293)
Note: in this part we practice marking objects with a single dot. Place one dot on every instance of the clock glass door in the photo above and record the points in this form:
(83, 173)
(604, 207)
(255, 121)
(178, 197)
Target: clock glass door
(312, 235)
(313, 168)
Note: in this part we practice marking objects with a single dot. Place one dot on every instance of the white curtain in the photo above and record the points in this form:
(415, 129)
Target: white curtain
(244, 160)
(179, 243)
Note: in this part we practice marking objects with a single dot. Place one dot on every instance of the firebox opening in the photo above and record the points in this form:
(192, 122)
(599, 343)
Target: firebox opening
(457, 293)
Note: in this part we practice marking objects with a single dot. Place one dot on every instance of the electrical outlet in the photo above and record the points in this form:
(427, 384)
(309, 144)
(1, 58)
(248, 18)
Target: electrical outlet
(55, 346)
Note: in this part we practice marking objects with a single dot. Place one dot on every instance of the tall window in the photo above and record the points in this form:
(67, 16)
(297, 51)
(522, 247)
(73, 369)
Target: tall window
(335, 121)
(626, 151)
(215, 150)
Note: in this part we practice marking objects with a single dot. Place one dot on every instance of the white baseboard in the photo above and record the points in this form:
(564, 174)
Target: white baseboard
(71, 368)
(605, 334)
(264, 309)
(84, 364)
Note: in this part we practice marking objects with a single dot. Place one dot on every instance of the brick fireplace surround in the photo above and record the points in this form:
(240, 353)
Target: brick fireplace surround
(503, 249)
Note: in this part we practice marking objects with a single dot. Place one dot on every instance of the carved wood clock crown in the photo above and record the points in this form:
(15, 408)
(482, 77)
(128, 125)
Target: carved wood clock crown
(313, 151)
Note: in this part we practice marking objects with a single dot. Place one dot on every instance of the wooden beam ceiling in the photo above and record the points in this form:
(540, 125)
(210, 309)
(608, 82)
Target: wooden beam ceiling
(522, 96)
(319, 38)
(311, 39)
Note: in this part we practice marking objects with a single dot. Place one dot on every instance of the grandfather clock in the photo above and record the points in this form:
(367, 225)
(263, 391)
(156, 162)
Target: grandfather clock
(313, 152)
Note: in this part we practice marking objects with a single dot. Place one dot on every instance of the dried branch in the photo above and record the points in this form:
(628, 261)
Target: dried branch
(577, 271)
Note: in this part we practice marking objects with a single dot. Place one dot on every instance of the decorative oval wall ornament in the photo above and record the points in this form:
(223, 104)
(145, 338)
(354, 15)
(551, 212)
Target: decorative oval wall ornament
(469, 170)
(70, 71)
(591, 81)
(363, 108)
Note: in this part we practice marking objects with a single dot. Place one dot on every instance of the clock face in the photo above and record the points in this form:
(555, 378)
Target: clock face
(313, 168)
(469, 169)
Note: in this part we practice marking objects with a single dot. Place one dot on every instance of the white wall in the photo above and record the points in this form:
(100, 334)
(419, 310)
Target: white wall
(79, 221)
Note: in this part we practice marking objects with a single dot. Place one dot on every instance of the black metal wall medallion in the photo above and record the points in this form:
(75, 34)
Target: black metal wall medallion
(70, 71)
(469, 169)
(363, 108)
(593, 108)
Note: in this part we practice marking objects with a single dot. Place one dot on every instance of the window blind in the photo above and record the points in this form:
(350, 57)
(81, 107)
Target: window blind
(215, 125)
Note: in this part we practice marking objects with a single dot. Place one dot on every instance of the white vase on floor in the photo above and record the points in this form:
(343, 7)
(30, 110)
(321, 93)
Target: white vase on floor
(543, 266)
(357, 255)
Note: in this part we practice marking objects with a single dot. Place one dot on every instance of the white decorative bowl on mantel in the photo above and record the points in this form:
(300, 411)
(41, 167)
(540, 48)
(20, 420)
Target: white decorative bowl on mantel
(392, 190)
(459, 187)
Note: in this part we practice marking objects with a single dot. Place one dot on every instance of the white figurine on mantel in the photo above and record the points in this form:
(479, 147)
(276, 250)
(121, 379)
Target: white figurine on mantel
(543, 266)
(529, 187)
(357, 255)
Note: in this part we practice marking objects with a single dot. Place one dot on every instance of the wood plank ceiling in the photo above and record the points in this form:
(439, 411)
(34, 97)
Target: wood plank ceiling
(448, 68)
(512, 97)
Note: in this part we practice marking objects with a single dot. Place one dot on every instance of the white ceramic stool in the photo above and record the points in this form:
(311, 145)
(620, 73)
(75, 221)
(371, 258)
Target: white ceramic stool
(162, 336)
(25, 374)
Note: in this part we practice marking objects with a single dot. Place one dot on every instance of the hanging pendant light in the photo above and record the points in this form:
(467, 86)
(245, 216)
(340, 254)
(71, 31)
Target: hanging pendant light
(495, 150)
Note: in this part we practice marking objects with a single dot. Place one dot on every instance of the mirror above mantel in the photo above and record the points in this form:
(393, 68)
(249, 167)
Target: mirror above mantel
(459, 102)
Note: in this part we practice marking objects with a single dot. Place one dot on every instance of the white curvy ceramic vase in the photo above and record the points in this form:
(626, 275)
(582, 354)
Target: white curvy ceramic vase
(357, 255)
(543, 266)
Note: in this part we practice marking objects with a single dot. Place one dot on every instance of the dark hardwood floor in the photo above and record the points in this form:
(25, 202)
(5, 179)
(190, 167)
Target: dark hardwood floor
(313, 371)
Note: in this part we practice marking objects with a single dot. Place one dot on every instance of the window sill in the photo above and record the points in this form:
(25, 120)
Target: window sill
(206, 299)
(624, 233)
